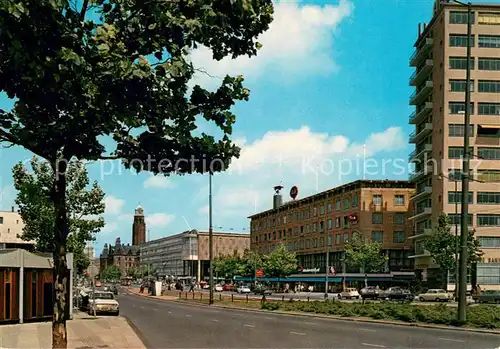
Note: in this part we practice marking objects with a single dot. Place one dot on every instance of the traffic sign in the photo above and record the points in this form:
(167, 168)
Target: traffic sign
(259, 273)
(294, 191)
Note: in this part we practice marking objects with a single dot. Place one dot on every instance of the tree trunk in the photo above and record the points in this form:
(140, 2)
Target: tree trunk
(61, 272)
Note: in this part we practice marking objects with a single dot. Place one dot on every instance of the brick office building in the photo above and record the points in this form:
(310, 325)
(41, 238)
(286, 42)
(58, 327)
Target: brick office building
(323, 222)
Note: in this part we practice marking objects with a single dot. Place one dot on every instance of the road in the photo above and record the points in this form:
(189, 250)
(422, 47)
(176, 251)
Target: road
(175, 325)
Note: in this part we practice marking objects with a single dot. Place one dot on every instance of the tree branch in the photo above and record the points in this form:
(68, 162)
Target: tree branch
(84, 10)
(115, 157)
(201, 70)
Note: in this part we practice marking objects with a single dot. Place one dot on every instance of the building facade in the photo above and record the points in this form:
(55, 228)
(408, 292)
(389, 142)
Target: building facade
(123, 256)
(440, 61)
(11, 225)
(139, 227)
(187, 254)
(325, 222)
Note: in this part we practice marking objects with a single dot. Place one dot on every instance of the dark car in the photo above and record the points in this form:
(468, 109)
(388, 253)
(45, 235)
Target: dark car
(370, 292)
(262, 290)
(114, 289)
(396, 293)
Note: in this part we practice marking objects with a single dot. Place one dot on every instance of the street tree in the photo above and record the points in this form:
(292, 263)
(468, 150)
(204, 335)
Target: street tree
(250, 263)
(111, 273)
(84, 207)
(443, 246)
(88, 75)
(227, 265)
(365, 254)
(280, 263)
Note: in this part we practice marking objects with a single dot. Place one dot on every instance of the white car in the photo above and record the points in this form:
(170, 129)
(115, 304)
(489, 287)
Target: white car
(243, 289)
(103, 302)
(349, 293)
(435, 295)
(219, 288)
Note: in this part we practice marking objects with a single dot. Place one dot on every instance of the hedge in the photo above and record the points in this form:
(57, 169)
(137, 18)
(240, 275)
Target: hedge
(482, 316)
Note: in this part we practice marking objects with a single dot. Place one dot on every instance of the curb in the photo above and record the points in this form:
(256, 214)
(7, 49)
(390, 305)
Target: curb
(339, 318)
(138, 332)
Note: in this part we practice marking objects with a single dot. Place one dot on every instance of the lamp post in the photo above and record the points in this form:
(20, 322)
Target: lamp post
(327, 267)
(462, 284)
(210, 241)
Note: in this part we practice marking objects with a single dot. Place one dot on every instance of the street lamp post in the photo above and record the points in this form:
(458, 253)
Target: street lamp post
(327, 269)
(210, 241)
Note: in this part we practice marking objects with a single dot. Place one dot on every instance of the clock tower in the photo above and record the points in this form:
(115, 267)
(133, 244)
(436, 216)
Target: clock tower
(138, 227)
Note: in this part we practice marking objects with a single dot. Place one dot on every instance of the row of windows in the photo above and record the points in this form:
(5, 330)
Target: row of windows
(486, 176)
(377, 199)
(483, 198)
(484, 41)
(492, 64)
(377, 218)
(484, 18)
(482, 109)
(483, 220)
(487, 86)
(398, 237)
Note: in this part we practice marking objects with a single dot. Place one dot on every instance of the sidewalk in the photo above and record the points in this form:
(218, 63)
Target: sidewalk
(83, 332)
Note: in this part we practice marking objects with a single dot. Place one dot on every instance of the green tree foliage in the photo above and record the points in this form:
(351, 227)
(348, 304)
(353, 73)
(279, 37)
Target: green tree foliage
(442, 245)
(228, 265)
(79, 71)
(84, 205)
(280, 263)
(365, 254)
(111, 273)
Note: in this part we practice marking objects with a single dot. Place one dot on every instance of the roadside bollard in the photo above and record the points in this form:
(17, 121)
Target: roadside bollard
(282, 298)
(201, 296)
(308, 298)
(232, 298)
(193, 295)
(186, 296)
(220, 296)
(180, 295)
(247, 297)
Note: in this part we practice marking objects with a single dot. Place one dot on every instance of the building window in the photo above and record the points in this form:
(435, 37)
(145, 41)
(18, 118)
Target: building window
(337, 222)
(330, 240)
(489, 241)
(458, 152)
(488, 220)
(322, 209)
(456, 197)
(337, 205)
(459, 17)
(488, 198)
(459, 108)
(378, 236)
(488, 109)
(460, 63)
(355, 200)
(489, 176)
(489, 64)
(488, 275)
(329, 207)
(398, 237)
(377, 199)
(399, 200)
(329, 224)
(308, 243)
(377, 218)
(455, 175)
(399, 218)
(321, 226)
(346, 237)
(459, 85)
(456, 219)
(460, 40)
(489, 41)
(457, 130)
(485, 153)
(315, 243)
(301, 244)
(491, 18)
(337, 239)
(315, 211)
(1, 220)
(347, 204)
(315, 227)
(488, 86)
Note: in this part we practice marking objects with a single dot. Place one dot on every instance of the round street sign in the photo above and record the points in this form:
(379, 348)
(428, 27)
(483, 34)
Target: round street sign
(294, 191)
(259, 273)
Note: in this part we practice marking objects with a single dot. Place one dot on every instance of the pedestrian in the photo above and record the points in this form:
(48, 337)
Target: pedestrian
(191, 288)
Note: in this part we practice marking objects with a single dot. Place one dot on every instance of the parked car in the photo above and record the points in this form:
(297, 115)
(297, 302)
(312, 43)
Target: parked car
(219, 288)
(489, 296)
(243, 289)
(227, 287)
(262, 290)
(396, 293)
(370, 292)
(349, 293)
(435, 295)
(103, 302)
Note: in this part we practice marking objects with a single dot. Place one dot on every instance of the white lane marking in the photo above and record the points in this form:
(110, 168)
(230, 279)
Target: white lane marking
(451, 340)
(268, 318)
(367, 329)
(248, 325)
(142, 307)
(215, 320)
(188, 316)
(155, 309)
(298, 333)
(373, 345)
(309, 323)
(170, 312)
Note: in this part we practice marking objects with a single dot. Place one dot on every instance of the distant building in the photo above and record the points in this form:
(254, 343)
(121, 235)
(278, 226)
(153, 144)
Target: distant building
(125, 257)
(187, 254)
(11, 227)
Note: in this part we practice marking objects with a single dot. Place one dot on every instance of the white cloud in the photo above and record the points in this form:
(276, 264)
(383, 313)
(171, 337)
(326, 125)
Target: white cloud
(159, 220)
(312, 161)
(158, 182)
(109, 228)
(113, 204)
(299, 42)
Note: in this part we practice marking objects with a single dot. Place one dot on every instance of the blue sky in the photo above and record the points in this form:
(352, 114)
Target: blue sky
(329, 88)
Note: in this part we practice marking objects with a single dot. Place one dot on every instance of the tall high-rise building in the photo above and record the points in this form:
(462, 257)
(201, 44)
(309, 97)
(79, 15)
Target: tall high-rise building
(440, 82)
(138, 227)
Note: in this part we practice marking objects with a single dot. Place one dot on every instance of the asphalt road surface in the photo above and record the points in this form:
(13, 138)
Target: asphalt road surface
(175, 325)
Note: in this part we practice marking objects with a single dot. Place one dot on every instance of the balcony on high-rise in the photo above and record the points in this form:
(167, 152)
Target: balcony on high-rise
(418, 153)
(415, 117)
(416, 136)
(420, 95)
(421, 52)
(421, 73)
